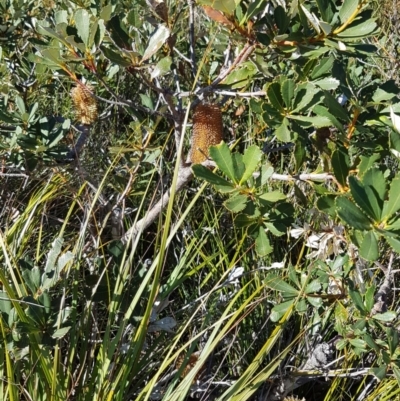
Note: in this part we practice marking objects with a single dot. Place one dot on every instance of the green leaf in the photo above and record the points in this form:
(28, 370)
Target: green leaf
(146, 101)
(254, 8)
(396, 371)
(393, 339)
(369, 249)
(375, 179)
(395, 140)
(263, 246)
(115, 57)
(275, 96)
(358, 343)
(241, 76)
(276, 229)
(225, 6)
(304, 95)
(287, 90)
(214, 179)
(347, 10)
(322, 111)
(351, 214)
(82, 22)
(326, 203)
(341, 166)
(324, 67)
(46, 31)
(365, 198)
(251, 158)
(283, 132)
(370, 342)
(279, 310)
(118, 32)
(393, 225)
(61, 332)
(327, 83)
(162, 67)
(369, 298)
(392, 205)
(243, 220)
(106, 11)
(300, 153)
(311, 18)
(301, 306)
(385, 317)
(327, 28)
(281, 19)
(366, 163)
(380, 372)
(362, 30)
(335, 108)
(223, 158)
(236, 203)
(266, 172)
(394, 243)
(317, 121)
(385, 92)
(157, 40)
(357, 299)
(273, 196)
(238, 165)
(20, 104)
(29, 279)
(276, 283)
(326, 8)
(54, 56)
(96, 26)
(313, 287)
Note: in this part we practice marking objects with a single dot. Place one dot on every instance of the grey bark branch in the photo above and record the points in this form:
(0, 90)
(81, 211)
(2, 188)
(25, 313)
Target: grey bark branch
(185, 175)
(192, 39)
(303, 177)
(384, 290)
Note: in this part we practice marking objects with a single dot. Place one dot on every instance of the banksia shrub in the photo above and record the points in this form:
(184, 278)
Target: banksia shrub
(85, 104)
(207, 131)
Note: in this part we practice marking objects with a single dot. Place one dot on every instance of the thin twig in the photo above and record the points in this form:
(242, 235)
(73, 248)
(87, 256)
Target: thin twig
(245, 53)
(128, 103)
(14, 175)
(228, 93)
(182, 56)
(302, 177)
(191, 38)
(247, 50)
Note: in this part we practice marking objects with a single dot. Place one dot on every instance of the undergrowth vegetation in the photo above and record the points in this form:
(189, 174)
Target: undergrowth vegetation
(266, 271)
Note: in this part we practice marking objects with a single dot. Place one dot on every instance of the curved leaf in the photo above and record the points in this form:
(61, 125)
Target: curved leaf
(251, 158)
(352, 215)
(223, 158)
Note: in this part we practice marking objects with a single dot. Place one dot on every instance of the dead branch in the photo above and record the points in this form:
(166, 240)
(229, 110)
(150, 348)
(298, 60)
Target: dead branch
(185, 175)
(381, 296)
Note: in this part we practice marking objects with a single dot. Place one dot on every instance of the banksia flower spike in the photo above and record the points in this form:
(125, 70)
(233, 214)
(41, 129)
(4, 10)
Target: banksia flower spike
(85, 104)
(207, 131)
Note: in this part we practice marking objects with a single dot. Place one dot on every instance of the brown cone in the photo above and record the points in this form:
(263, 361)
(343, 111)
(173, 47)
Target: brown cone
(207, 131)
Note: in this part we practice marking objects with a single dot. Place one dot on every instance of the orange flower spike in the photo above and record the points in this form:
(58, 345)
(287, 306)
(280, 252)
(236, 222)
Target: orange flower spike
(207, 131)
(85, 104)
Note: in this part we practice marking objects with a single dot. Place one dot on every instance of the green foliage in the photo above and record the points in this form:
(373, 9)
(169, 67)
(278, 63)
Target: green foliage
(269, 261)
(257, 209)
